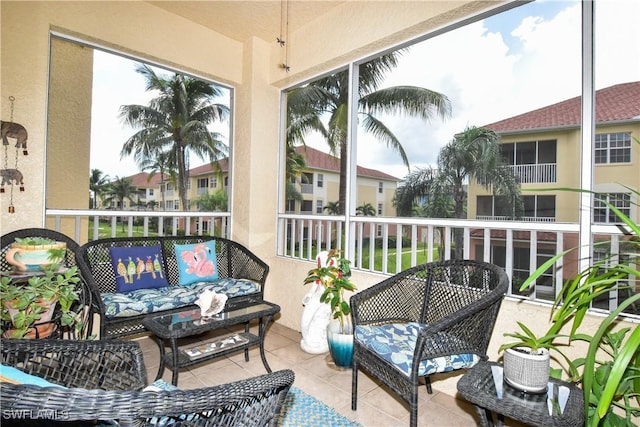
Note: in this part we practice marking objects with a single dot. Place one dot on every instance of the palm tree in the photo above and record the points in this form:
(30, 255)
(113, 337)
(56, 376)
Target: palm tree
(473, 154)
(158, 163)
(329, 96)
(332, 208)
(97, 182)
(175, 122)
(118, 190)
(295, 166)
(366, 209)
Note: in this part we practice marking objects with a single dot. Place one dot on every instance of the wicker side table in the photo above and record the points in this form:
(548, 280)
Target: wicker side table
(477, 386)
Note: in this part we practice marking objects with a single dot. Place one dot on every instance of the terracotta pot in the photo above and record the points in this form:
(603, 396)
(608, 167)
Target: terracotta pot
(43, 328)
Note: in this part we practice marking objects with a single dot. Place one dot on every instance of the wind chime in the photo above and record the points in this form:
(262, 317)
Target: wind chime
(284, 34)
(12, 176)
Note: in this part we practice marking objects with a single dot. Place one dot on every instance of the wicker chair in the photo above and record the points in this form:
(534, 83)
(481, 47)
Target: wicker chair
(84, 293)
(105, 380)
(432, 318)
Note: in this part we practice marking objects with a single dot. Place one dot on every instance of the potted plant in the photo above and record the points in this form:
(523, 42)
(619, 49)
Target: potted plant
(34, 253)
(609, 373)
(28, 306)
(332, 274)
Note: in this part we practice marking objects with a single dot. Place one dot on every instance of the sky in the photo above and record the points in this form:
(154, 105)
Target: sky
(517, 61)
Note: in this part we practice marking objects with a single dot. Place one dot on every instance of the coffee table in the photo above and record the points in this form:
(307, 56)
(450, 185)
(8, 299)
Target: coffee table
(478, 387)
(188, 323)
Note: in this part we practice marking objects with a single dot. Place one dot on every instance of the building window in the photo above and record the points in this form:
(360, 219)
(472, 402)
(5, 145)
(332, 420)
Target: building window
(203, 182)
(290, 205)
(603, 213)
(306, 206)
(539, 207)
(151, 192)
(213, 182)
(380, 205)
(319, 206)
(378, 230)
(380, 186)
(320, 182)
(613, 148)
(494, 207)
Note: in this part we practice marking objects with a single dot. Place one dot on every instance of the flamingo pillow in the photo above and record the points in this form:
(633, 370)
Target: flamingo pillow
(197, 262)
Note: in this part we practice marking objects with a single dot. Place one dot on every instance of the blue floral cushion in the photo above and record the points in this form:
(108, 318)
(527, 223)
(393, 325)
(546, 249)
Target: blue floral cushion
(396, 343)
(138, 267)
(144, 301)
(197, 262)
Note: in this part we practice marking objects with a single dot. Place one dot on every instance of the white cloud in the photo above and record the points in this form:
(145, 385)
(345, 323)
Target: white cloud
(490, 76)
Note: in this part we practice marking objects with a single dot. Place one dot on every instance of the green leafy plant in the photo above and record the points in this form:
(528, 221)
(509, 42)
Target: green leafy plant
(609, 373)
(31, 299)
(334, 277)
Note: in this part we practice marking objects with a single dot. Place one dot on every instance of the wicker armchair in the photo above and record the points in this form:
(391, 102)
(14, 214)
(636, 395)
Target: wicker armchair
(105, 380)
(84, 293)
(432, 318)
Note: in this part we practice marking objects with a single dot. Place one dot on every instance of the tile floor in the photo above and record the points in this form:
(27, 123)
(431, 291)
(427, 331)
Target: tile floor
(376, 406)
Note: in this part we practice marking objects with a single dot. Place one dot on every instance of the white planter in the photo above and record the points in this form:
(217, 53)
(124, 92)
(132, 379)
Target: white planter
(525, 371)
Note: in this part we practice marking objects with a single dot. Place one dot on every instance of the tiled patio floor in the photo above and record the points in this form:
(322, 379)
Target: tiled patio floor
(376, 406)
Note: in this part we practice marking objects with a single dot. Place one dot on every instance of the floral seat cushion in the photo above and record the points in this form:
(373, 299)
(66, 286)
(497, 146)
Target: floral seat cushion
(145, 301)
(396, 342)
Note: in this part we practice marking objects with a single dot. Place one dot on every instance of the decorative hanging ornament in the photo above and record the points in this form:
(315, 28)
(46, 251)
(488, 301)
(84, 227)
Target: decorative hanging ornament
(12, 176)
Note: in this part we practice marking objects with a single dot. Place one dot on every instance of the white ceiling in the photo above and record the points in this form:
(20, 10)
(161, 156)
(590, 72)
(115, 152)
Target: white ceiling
(241, 20)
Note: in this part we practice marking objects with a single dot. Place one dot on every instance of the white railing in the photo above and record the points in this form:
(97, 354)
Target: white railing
(95, 224)
(508, 218)
(406, 242)
(536, 173)
(383, 245)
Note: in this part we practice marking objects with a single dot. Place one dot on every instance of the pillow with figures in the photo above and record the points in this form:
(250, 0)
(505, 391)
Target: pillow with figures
(197, 262)
(138, 267)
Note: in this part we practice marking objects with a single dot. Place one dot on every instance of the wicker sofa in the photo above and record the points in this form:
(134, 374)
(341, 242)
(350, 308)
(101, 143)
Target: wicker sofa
(237, 267)
(103, 384)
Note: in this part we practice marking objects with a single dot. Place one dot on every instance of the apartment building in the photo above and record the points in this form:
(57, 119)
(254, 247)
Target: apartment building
(543, 149)
(320, 182)
(318, 185)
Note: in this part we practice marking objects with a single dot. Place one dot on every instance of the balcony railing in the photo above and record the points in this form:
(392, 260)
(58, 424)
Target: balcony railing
(537, 173)
(95, 224)
(380, 244)
(306, 188)
(406, 242)
(508, 218)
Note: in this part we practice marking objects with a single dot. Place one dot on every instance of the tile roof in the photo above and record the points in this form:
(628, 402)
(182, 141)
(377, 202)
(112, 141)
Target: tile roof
(141, 180)
(616, 103)
(207, 168)
(317, 159)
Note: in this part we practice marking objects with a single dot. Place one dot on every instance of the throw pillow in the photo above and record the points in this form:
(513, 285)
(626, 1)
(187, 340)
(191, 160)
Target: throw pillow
(197, 262)
(138, 267)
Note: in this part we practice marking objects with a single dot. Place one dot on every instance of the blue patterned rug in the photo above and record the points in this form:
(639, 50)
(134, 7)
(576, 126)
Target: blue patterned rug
(301, 410)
